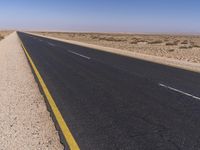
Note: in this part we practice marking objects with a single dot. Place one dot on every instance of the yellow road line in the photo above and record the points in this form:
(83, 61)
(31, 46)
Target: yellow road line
(65, 130)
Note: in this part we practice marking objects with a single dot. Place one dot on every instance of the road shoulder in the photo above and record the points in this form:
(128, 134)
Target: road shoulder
(25, 120)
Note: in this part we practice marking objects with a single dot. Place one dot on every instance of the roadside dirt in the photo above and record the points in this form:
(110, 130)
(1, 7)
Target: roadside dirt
(25, 122)
(3, 34)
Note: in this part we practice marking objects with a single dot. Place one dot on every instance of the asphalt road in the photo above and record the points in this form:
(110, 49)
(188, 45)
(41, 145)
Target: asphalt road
(115, 102)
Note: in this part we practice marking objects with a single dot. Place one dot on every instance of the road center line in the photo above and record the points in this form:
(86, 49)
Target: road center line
(179, 91)
(79, 54)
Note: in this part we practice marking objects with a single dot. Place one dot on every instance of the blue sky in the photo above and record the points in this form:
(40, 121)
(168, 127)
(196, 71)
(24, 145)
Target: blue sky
(143, 16)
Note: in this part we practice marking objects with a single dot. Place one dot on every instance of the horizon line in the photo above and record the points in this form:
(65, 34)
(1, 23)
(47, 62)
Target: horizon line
(106, 32)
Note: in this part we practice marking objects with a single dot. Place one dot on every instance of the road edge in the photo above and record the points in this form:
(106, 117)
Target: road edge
(66, 135)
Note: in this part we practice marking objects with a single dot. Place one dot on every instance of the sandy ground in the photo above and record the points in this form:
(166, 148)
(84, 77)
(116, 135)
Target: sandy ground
(3, 34)
(173, 50)
(25, 122)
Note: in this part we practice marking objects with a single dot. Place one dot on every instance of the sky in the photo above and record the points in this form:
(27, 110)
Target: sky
(135, 16)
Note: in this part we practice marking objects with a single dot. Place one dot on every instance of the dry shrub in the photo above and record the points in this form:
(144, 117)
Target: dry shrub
(73, 35)
(171, 50)
(183, 47)
(174, 43)
(155, 42)
(196, 46)
(94, 37)
(82, 34)
(1, 37)
(133, 42)
(137, 40)
(184, 42)
(112, 39)
(170, 44)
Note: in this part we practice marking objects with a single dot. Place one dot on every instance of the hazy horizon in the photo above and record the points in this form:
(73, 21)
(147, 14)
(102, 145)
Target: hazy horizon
(158, 16)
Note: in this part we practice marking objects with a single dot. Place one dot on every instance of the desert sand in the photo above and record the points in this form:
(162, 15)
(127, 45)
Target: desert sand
(4, 33)
(25, 121)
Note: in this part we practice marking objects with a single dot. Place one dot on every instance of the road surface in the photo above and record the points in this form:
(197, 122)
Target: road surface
(115, 102)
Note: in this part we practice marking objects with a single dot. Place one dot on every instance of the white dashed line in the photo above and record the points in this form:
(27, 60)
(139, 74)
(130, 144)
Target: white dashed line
(179, 91)
(51, 44)
(79, 54)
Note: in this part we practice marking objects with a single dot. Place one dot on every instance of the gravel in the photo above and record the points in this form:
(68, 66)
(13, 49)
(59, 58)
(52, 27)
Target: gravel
(25, 121)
